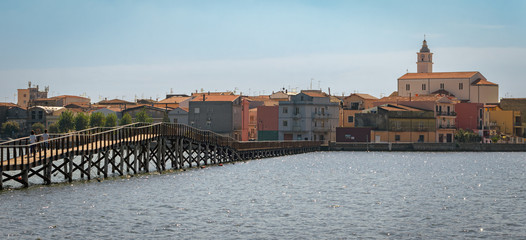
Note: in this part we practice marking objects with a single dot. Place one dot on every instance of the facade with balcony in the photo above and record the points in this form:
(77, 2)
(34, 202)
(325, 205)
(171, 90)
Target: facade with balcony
(398, 123)
(309, 115)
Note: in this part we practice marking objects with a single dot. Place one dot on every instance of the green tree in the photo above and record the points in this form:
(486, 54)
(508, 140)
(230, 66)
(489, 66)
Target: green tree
(81, 121)
(97, 119)
(125, 120)
(166, 119)
(467, 136)
(38, 127)
(53, 128)
(111, 120)
(66, 121)
(142, 116)
(10, 128)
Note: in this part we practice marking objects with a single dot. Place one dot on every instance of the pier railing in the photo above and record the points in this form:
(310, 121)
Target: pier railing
(20, 152)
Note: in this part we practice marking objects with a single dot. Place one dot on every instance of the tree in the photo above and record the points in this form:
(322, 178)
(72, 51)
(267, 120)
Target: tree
(81, 121)
(53, 128)
(66, 121)
(142, 116)
(467, 136)
(166, 119)
(97, 119)
(38, 127)
(10, 128)
(111, 120)
(125, 120)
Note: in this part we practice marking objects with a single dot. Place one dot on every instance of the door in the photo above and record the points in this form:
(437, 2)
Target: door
(287, 137)
(377, 139)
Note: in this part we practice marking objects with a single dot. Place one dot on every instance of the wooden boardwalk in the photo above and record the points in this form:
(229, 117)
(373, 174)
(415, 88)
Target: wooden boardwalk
(130, 149)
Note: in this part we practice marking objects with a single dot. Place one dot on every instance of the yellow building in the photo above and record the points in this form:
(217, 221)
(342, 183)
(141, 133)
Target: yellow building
(503, 122)
(352, 104)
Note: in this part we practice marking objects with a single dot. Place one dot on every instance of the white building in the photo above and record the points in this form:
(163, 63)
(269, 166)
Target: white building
(465, 86)
(309, 115)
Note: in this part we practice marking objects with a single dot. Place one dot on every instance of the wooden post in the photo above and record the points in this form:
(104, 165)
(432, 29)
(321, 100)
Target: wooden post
(25, 178)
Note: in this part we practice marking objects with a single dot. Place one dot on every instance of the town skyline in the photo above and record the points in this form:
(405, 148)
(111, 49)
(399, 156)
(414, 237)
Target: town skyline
(131, 50)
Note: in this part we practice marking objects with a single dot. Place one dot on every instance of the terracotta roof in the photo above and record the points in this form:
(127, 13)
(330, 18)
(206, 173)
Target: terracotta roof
(398, 107)
(69, 96)
(7, 104)
(175, 99)
(115, 101)
(363, 95)
(482, 82)
(216, 98)
(212, 93)
(433, 97)
(442, 91)
(314, 93)
(444, 75)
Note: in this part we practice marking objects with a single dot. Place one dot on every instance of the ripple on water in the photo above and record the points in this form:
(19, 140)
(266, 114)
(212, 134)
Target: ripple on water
(324, 195)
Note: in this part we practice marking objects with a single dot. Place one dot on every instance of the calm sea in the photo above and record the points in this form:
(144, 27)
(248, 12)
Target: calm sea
(324, 195)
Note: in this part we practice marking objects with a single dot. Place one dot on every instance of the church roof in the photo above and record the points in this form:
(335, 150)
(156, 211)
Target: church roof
(482, 82)
(424, 47)
(435, 75)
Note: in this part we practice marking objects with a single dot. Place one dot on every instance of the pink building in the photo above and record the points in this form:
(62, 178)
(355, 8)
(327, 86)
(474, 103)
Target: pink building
(267, 122)
(469, 116)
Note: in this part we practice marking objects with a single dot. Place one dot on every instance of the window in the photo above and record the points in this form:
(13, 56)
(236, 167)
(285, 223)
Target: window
(196, 110)
(461, 86)
(285, 123)
(298, 137)
(297, 111)
(285, 110)
(350, 119)
(421, 138)
(355, 106)
(397, 137)
(407, 87)
(33, 115)
(175, 120)
(40, 114)
(441, 86)
(424, 86)
(480, 113)
(322, 111)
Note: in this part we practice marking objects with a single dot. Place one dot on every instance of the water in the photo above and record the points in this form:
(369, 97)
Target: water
(324, 195)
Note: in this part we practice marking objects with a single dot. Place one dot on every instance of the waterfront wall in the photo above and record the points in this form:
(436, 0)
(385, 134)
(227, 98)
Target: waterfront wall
(428, 147)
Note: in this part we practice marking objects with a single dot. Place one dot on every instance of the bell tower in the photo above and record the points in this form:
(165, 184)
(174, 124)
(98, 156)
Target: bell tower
(424, 59)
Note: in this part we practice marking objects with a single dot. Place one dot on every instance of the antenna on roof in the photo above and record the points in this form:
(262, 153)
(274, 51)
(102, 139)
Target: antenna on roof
(424, 37)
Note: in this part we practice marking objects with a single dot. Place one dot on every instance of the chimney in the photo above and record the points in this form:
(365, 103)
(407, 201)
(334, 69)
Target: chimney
(204, 96)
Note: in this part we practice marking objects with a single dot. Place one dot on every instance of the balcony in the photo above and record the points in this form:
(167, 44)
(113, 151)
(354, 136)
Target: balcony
(517, 124)
(321, 129)
(446, 113)
(446, 126)
(296, 116)
(321, 115)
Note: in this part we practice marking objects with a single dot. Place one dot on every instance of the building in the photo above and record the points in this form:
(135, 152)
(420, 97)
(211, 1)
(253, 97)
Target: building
(442, 106)
(44, 114)
(252, 124)
(26, 96)
(470, 116)
(222, 114)
(157, 114)
(505, 123)
(398, 123)
(60, 101)
(515, 104)
(466, 86)
(308, 115)
(268, 123)
(179, 115)
(353, 104)
(15, 113)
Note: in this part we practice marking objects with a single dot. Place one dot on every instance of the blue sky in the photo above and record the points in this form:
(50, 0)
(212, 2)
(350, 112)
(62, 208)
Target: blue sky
(128, 49)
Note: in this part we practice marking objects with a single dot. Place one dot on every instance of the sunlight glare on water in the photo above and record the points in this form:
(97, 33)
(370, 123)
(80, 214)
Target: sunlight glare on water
(323, 195)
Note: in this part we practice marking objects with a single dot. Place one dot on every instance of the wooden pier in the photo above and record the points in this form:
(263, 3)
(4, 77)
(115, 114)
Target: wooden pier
(130, 149)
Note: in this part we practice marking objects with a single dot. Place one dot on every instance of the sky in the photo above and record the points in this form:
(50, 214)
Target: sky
(146, 49)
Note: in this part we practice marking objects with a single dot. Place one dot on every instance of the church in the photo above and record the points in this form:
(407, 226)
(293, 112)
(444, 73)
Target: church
(465, 86)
